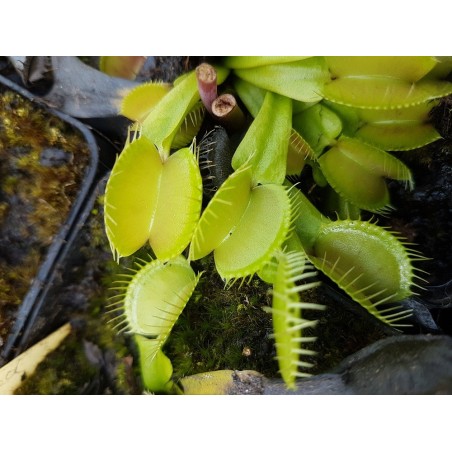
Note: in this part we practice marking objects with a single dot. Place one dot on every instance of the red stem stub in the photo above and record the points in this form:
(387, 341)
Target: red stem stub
(206, 76)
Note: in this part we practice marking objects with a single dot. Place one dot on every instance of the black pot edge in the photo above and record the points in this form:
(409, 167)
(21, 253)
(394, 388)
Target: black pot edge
(29, 335)
(58, 243)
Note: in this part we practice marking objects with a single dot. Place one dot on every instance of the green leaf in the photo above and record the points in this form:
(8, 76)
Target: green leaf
(398, 137)
(222, 213)
(288, 321)
(244, 62)
(408, 68)
(155, 367)
(156, 295)
(298, 150)
(267, 215)
(147, 199)
(398, 129)
(357, 170)
(251, 95)
(318, 125)
(137, 104)
(383, 92)
(301, 80)
(152, 301)
(369, 263)
(131, 197)
(178, 206)
(165, 119)
(266, 142)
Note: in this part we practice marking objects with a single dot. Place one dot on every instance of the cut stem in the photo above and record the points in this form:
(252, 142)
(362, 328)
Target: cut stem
(226, 110)
(206, 76)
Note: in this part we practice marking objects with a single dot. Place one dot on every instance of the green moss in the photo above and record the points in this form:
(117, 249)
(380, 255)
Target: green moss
(223, 328)
(65, 371)
(35, 198)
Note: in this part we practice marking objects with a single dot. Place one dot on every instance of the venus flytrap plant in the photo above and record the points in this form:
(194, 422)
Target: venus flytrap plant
(298, 151)
(238, 207)
(301, 80)
(255, 222)
(357, 172)
(266, 142)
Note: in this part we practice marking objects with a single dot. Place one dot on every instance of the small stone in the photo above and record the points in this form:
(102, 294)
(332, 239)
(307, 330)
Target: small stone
(408, 364)
(54, 157)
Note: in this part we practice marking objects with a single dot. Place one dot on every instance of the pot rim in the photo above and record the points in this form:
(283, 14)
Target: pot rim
(32, 299)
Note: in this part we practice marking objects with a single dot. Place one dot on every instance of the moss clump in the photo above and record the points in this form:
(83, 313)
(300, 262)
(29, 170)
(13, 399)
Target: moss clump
(65, 371)
(42, 163)
(223, 328)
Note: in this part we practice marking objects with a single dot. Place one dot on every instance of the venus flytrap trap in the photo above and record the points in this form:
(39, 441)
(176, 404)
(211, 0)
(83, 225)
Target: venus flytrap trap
(152, 298)
(288, 324)
(122, 66)
(141, 204)
(140, 100)
(392, 130)
(383, 82)
(372, 265)
(238, 207)
(341, 117)
(357, 172)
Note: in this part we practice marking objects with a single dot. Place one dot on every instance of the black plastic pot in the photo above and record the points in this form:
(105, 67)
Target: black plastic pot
(26, 330)
(94, 359)
(63, 294)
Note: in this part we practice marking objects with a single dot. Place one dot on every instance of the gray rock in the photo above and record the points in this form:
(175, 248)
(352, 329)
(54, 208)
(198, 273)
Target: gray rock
(417, 364)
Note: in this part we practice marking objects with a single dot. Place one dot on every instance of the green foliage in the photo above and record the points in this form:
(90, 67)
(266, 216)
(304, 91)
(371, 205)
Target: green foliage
(122, 66)
(365, 168)
(288, 322)
(143, 200)
(266, 142)
(300, 80)
(152, 299)
(340, 116)
(141, 100)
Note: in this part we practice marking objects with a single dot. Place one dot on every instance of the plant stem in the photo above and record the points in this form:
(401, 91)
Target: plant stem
(307, 225)
(206, 76)
(228, 113)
